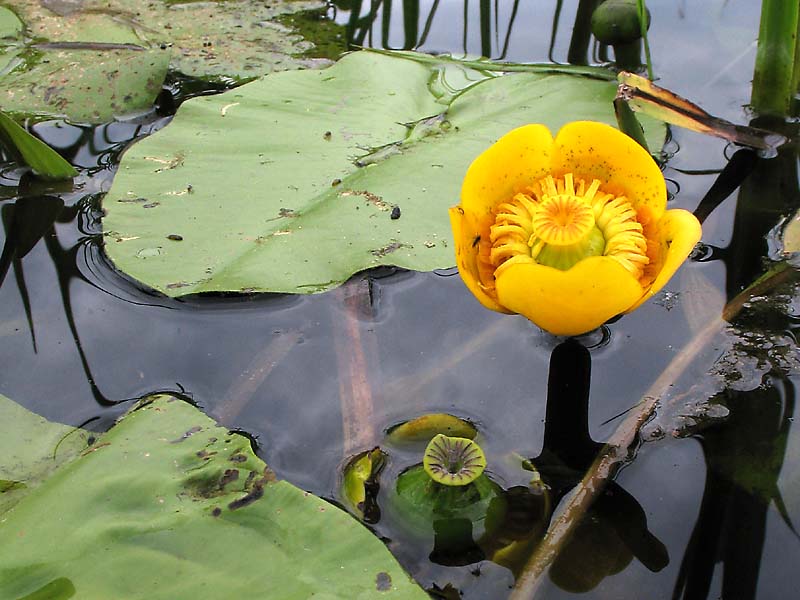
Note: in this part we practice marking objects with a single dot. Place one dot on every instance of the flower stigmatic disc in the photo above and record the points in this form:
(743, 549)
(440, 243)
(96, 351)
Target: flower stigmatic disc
(453, 461)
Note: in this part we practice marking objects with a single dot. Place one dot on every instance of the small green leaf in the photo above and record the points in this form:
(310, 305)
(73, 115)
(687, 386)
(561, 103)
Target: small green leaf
(7, 486)
(44, 161)
(360, 484)
(425, 427)
(628, 123)
(58, 589)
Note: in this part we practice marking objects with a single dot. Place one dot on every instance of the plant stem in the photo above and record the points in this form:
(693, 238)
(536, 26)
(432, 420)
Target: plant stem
(352, 358)
(578, 53)
(641, 8)
(628, 56)
(777, 72)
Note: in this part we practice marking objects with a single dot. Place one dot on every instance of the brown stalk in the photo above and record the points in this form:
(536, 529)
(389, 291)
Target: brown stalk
(245, 387)
(410, 385)
(355, 391)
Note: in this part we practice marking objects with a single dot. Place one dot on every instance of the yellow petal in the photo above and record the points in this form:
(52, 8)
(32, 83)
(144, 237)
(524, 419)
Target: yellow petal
(465, 231)
(676, 234)
(593, 150)
(568, 302)
(517, 160)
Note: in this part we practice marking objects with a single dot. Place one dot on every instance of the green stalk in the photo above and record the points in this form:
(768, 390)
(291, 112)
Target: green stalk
(776, 74)
(578, 53)
(411, 23)
(641, 8)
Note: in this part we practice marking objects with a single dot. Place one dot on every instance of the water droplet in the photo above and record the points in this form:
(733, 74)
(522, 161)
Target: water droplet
(148, 252)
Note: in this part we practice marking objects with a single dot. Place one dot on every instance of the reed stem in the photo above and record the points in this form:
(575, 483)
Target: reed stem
(777, 70)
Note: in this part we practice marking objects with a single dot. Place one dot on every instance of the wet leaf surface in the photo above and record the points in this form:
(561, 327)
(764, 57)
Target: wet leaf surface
(91, 61)
(233, 38)
(289, 184)
(31, 448)
(169, 505)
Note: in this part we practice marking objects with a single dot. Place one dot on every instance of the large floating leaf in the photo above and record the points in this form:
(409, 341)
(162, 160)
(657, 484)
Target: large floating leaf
(261, 189)
(233, 38)
(31, 448)
(91, 77)
(168, 505)
(87, 85)
(91, 60)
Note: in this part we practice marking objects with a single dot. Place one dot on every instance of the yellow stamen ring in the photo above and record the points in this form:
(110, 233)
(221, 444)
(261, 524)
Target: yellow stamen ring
(559, 222)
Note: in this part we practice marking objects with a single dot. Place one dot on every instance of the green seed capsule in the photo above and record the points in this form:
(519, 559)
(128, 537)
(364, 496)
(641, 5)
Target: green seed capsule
(617, 22)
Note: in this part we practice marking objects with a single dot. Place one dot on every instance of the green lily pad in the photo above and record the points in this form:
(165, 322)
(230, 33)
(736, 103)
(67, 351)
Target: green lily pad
(231, 38)
(297, 181)
(10, 25)
(91, 61)
(90, 73)
(86, 85)
(31, 449)
(169, 505)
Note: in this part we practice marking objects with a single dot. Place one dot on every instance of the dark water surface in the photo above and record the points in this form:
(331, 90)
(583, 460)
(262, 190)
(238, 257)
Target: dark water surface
(703, 511)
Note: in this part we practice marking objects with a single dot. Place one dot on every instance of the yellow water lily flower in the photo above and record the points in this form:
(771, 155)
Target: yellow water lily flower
(568, 232)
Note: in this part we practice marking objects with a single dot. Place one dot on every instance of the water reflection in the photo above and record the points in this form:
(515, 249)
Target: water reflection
(745, 457)
(478, 27)
(615, 529)
(26, 221)
(31, 217)
(744, 460)
(31, 220)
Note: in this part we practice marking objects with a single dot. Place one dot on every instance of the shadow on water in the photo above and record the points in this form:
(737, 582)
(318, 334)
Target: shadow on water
(745, 457)
(615, 530)
(85, 341)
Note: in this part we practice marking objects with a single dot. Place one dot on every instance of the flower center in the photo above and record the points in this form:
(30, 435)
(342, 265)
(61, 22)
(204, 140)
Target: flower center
(562, 220)
(558, 222)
